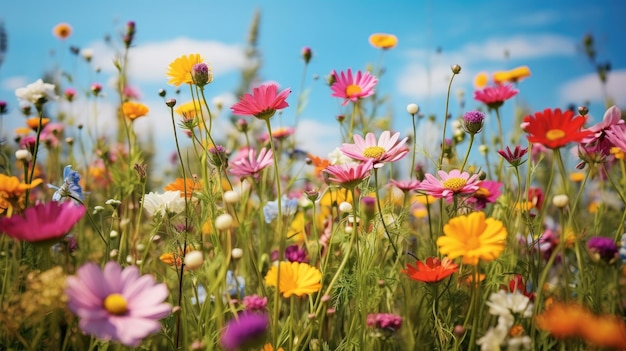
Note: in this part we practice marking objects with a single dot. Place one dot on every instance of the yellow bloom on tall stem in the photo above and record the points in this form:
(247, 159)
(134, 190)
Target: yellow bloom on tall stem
(133, 110)
(295, 278)
(473, 238)
(12, 191)
(179, 71)
(383, 41)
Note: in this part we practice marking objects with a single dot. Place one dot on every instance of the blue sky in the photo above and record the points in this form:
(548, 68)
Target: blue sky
(544, 35)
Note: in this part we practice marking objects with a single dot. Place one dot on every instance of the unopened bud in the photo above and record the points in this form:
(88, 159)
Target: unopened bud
(412, 109)
(194, 260)
(23, 155)
(456, 69)
(224, 221)
(560, 201)
(170, 102)
(345, 207)
(236, 253)
(583, 110)
(231, 197)
(307, 54)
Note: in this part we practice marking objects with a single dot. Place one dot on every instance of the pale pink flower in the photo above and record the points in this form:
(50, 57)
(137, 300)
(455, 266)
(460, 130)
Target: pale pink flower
(264, 101)
(453, 183)
(349, 175)
(386, 149)
(353, 88)
(115, 304)
(252, 165)
(495, 96)
(405, 185)
(43, 222)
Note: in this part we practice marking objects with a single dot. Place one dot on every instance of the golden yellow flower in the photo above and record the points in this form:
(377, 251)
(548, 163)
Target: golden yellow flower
(62, 31)
(33, 122)
(513, 76)
(617, 152)
(296, 230)
(179, 71)
(577, 177)
(133, 110)
(481, 80)
(12, 192)
(192, 109)
(21, 131)
(383, 41)
(473, 237)
(295, 278)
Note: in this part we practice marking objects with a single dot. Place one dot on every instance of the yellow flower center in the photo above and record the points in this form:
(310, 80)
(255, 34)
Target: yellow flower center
(352, 90)
(374, 152)
(115, 304)
(554, 134)
(454, 184)
(482, 192)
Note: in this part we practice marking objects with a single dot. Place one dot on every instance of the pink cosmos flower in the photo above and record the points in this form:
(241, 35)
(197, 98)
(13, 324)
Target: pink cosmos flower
(251, 165)
(617, 136)
(612, 117)
(386, 149)
(115, 304)
(264, 101)
(405, 185)
(487, 193)
(349, 175)
(451, 184)
(353, 88)
(495, 96)
(43, 221)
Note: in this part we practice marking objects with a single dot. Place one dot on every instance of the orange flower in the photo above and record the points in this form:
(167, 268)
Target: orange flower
(172, 258)
(383, 41)
(433, 271)
(133, 110)
(178, 185)
(12, 192)
(21, 131)
(62, 31)
(319, 163)
(33, 122)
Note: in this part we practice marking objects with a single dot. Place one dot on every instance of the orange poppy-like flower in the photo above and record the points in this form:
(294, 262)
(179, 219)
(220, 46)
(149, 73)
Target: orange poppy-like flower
(133, 110)
(319, 163)
(432, 271)
(568, 320)
(33, 122)
(62, 31)
(554, 129)
(178, 185)
(383, 41)
(173, 258)
(179, 71)
(473, 238)
(295, 278)
(512, 76)
(12, 192)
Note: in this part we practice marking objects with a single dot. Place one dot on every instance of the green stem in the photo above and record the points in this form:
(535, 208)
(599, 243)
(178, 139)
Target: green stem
(414, 146)
(469, 148)
(380, 213)
(445, 122)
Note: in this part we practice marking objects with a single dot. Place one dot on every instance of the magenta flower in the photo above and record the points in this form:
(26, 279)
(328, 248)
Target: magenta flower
(514, 158)
(254, 303)
(264, 101)
(385, 321)
(617, 136)
(353, 88)
(245, 332)
(43, 221)
(386, 149)
(612, 117)
(252, 165)
(115, 304)
(487, 193)
(603, 249)
(405, 185)
(495, 96)
(348, 175)
(453, 183)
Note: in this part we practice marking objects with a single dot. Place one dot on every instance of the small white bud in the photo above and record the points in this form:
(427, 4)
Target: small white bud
(129, 259)
(194, 260)
(224, 221)
(348, 229)
(231, 197)
(345, 207)
(237, 253)
(560, 201)
(23, 155)
(113, 203)
(113, 253)
(412, 109)
(113, 234)
(97, 209)
(140, 247)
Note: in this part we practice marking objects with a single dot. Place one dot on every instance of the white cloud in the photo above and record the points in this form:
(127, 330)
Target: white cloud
(538, 18)
(317, 138)
(148, 62)
(428, 74)
(13, 83)
(588, 88)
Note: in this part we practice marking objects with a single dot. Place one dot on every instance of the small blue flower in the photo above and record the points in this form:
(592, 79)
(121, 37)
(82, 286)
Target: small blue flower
(270, 210)
(70, 186)
(235, 287)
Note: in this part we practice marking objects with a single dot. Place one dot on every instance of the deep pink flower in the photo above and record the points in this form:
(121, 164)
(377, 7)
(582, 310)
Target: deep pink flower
(385, 321)
(43, 221)
(617, 136)
(115, 304)
(405, 185)
(612, 117)
(487, 193)
(245, 332)
(386, 149)
(353, 88)
(349, 175)
(514, 158)
(451, 184)
(495, 96)
(251, 165)
(264, 101)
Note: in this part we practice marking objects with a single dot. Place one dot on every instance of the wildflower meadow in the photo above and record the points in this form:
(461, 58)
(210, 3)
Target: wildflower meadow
(507, 234)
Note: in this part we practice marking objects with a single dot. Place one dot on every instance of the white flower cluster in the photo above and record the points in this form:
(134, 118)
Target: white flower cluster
(36, 92)
(170, 202)
(507, 306)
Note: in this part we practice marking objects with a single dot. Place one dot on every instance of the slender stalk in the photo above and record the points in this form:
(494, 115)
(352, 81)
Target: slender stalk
(445, 122)
(380, 213)
(29, 179)
(501, 139)
(414, 146)
(469, 148)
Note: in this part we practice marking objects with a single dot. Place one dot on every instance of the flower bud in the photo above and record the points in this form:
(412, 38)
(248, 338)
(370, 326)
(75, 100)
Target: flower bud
(96, 88)
(170, 102)
(456, 69)
(224, 221)
(201, 74)
(23, 155)
(583, 110)
(483, 149)
(162, 92)
(473, 122)
(412, 109)
(231, 197)
(236, 253)
(113, 234)
(307, 54)
(560, 201)
(345, 207)
(194, 260)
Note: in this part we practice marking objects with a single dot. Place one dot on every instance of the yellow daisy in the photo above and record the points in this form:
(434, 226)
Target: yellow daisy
(383, 41)
(295, 278)
(473, 238)
(179, 71)
(133, 110)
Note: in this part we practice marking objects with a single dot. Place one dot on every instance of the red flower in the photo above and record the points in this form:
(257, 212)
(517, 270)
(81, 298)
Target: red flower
(554, 129)
(433, 271)
(264, 101)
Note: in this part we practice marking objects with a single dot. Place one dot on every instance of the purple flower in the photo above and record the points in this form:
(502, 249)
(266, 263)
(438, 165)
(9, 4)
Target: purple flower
(115, 304)
(43, 222)
(473, 121)
(602, 248)
(201, 74)
(294, 253)
(245, 331)
(385, 321)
